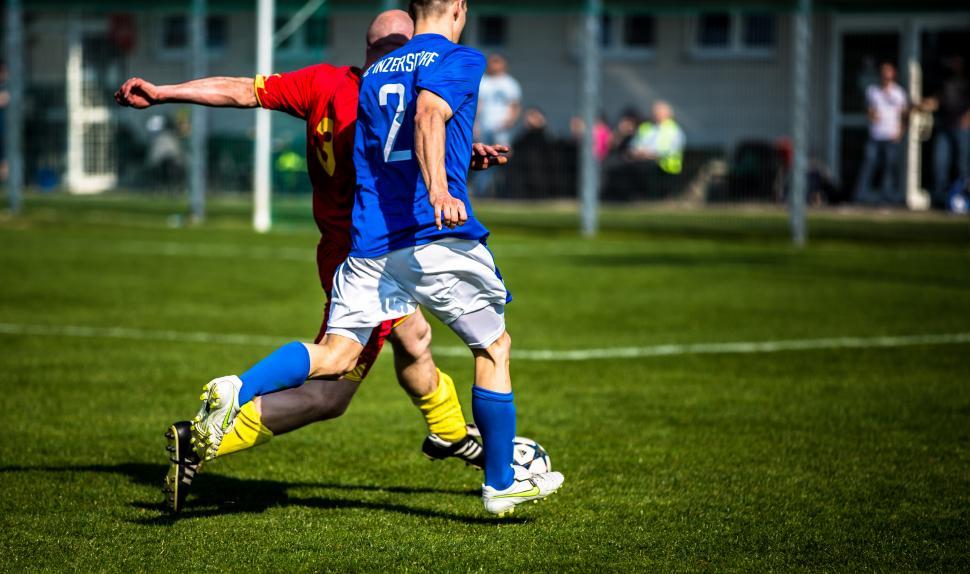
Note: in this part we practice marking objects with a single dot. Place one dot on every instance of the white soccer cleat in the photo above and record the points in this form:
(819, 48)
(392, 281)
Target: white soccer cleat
(220, 405)
(535, 488)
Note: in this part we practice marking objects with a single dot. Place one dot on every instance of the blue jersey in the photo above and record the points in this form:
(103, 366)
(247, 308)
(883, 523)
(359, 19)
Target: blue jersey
(391, 207)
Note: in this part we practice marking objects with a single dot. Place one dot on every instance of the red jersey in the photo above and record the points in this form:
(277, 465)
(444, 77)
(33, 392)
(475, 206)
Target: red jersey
(325, 97)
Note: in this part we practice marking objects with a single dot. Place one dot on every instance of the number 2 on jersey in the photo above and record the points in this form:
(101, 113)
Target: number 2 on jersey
(398, 90)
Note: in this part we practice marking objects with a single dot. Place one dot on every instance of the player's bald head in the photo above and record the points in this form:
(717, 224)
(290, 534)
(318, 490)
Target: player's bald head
(388, 32)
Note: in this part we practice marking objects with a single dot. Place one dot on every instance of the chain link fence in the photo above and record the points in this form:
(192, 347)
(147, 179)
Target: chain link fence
(696, 100)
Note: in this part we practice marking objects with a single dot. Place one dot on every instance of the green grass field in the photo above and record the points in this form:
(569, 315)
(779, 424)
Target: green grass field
(839, 459)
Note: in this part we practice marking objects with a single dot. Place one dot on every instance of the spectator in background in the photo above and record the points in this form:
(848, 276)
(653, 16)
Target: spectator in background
(4, 100)
(625, 132)
(534, 126)
(499, 106)
(499, 102)
(531, 173)
(951, 144)
(602, 136)
(166, 162)
(661, 141)
(887, 106)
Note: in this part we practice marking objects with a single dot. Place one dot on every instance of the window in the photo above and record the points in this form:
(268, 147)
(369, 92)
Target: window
(175, 33)
(735, 34)
(492, 31)
(288, 43)
(317, 33)
(758, 30)
(310, 39)
(638, 31)
(216, 32)
(627, 34)
(714, 31)
(606, 31)
(176, 36)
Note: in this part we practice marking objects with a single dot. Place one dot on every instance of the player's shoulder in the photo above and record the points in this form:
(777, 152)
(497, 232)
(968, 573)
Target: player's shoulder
(325, 71)
(466, 53)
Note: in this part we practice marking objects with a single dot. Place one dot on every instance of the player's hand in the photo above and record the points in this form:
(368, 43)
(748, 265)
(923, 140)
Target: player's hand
(137, 93)
(485, 156)
(448, 211)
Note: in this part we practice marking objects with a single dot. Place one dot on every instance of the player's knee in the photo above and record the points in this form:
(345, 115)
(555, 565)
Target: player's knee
(413, 338)
(420, 341)
(501, 349)
(331, 359)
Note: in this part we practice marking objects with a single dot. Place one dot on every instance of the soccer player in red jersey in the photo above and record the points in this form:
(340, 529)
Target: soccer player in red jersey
(324, 96)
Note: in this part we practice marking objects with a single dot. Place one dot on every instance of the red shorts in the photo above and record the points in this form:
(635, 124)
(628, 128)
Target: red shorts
(329, 258)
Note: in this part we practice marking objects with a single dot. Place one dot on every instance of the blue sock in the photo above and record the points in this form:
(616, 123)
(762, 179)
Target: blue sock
(284, 368)
(495, 416)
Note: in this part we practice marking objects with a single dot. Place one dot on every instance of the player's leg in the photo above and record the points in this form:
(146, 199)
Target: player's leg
(458, 282)
(433, 392)
(493, 406)
(361, 300)
(287, 367)
(281, 412)
(256, 422)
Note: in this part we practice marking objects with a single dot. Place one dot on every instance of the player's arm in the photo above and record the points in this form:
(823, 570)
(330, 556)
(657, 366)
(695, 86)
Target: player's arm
(220, 92)
(429, 145)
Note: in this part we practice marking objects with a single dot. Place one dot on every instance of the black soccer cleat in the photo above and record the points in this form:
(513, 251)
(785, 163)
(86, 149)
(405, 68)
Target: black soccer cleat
(468, 450)
(184, 464)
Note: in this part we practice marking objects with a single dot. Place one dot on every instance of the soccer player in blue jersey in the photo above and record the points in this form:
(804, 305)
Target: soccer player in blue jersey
(415, 241)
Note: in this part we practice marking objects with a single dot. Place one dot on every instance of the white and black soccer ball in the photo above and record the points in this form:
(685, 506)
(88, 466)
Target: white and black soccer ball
(529, 458)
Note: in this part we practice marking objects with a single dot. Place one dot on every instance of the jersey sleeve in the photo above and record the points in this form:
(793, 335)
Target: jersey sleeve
(455, 78)
(289, 92)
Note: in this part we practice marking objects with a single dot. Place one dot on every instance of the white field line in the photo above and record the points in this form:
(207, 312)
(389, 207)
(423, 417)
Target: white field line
(209, 250)
(751, 347)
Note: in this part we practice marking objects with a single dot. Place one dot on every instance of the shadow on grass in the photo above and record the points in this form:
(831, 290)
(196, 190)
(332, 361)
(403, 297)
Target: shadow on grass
(217, 495)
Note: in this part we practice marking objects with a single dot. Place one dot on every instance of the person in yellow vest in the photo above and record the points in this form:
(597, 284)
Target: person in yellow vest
(661, 141)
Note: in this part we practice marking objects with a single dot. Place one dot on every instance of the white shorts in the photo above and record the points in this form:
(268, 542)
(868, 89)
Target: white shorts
(450, 277)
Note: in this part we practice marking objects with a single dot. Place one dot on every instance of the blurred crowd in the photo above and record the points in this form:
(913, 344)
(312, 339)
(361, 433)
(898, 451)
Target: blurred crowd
(4, 100)
(644, 157)
(889, 111)
(640, 156)
(656, 141)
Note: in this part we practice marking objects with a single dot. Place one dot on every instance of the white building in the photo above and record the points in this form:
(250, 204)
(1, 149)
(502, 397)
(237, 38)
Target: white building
(726, 71)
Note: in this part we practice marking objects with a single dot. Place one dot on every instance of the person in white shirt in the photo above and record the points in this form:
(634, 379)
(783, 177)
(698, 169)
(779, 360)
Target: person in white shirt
(499, 107)
(499, 101)
(888, 108)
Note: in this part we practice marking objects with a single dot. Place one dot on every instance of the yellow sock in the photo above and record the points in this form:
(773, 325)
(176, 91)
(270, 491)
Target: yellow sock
(247, 431)
(442, 411)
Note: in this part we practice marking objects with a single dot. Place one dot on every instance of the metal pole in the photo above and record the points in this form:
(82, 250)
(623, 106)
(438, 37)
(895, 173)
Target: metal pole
(802, 60)
(197, 163)
(15, 107)
(917, 198)
(589, 170)
(261, 172)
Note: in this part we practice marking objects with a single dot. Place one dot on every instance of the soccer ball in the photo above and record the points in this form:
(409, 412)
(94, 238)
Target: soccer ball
(528, 458)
